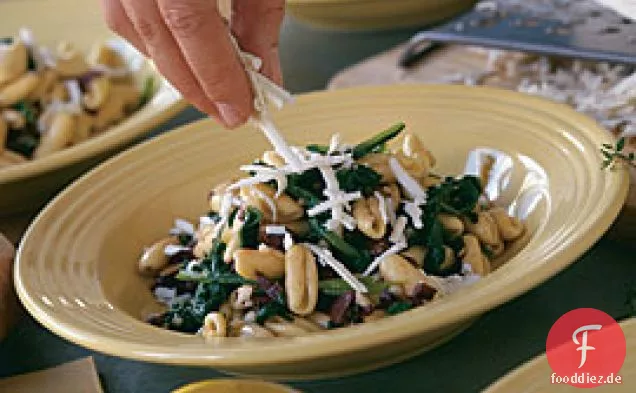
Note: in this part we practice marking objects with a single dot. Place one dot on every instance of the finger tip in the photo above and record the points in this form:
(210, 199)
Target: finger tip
(232, 115)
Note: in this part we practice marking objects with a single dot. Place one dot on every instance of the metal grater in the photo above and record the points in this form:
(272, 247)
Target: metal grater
(571, 28)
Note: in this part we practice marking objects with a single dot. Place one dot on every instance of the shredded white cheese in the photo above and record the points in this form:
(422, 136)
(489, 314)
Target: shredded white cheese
(394, 249)
(390, 209)
(250, 181)
(182, 226)
(414, 210)
(172, 249)
(382, 206)
(268, 201)
(73, 106)
(410, 186)
(288, 241)
(397, 234)
(334, 202)
(334, 144)
(325, 257)
(205, 221)
(165, 295)
(224, 213)
(278, 174)
(275, 230)
(119, 72)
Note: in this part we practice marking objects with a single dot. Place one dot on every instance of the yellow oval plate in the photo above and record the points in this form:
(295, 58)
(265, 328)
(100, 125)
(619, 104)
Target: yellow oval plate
(535, 376)
(28, 186)
(234, 386)
(76, 267)
(375, 14)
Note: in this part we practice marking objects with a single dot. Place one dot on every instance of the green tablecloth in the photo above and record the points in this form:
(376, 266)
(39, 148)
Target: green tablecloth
(498, 342)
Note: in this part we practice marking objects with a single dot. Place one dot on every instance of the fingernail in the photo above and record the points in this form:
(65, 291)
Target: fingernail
(230, 116)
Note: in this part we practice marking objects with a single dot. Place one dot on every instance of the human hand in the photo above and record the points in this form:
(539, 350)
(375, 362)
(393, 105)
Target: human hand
(188, 41)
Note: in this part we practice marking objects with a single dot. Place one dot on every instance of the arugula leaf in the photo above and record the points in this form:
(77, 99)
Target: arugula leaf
(248, 235)
(338, 286)
(398, 307)
(358, 178)
(366, 147)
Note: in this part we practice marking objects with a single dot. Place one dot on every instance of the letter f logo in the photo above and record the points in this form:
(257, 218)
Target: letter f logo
(584, 347)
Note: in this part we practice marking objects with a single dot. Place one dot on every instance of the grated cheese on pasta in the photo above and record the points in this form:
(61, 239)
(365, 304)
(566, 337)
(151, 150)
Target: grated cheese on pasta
(325, 257)
(394, 249)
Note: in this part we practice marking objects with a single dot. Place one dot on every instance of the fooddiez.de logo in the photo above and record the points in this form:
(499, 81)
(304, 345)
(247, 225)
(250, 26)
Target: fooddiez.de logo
(586, 348)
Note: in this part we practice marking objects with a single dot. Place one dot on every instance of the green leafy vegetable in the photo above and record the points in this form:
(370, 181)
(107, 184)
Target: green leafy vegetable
(147, 91)
(272, 309)
(349, 255)
(184, 239)
(358, 178)
(320, 149)
(454, 196)
(21, 142)
(31, 66)
(26, 140)
(212, 291)
(373, 143)
(307, 186)
(28, 111)
(398, 307)
(614, 155)
(220, 278)
(248, 235)
(338, 286)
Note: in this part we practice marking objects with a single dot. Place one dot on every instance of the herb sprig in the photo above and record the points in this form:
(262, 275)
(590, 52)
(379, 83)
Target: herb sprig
(615, 155)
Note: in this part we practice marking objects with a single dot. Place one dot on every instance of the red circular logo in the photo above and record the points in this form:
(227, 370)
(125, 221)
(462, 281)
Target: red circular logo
(586, 348)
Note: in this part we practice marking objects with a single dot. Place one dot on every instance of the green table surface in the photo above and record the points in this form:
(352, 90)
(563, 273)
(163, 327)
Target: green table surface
(498, 342)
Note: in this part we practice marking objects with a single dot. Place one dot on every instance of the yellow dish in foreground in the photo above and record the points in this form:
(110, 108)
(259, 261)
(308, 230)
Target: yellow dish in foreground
(28, 186)
(375, 14)
(534, 376)
(76, 267)
(234, 386)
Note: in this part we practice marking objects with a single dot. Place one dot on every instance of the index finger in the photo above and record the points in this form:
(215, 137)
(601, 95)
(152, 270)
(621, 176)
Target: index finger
(203, 38)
